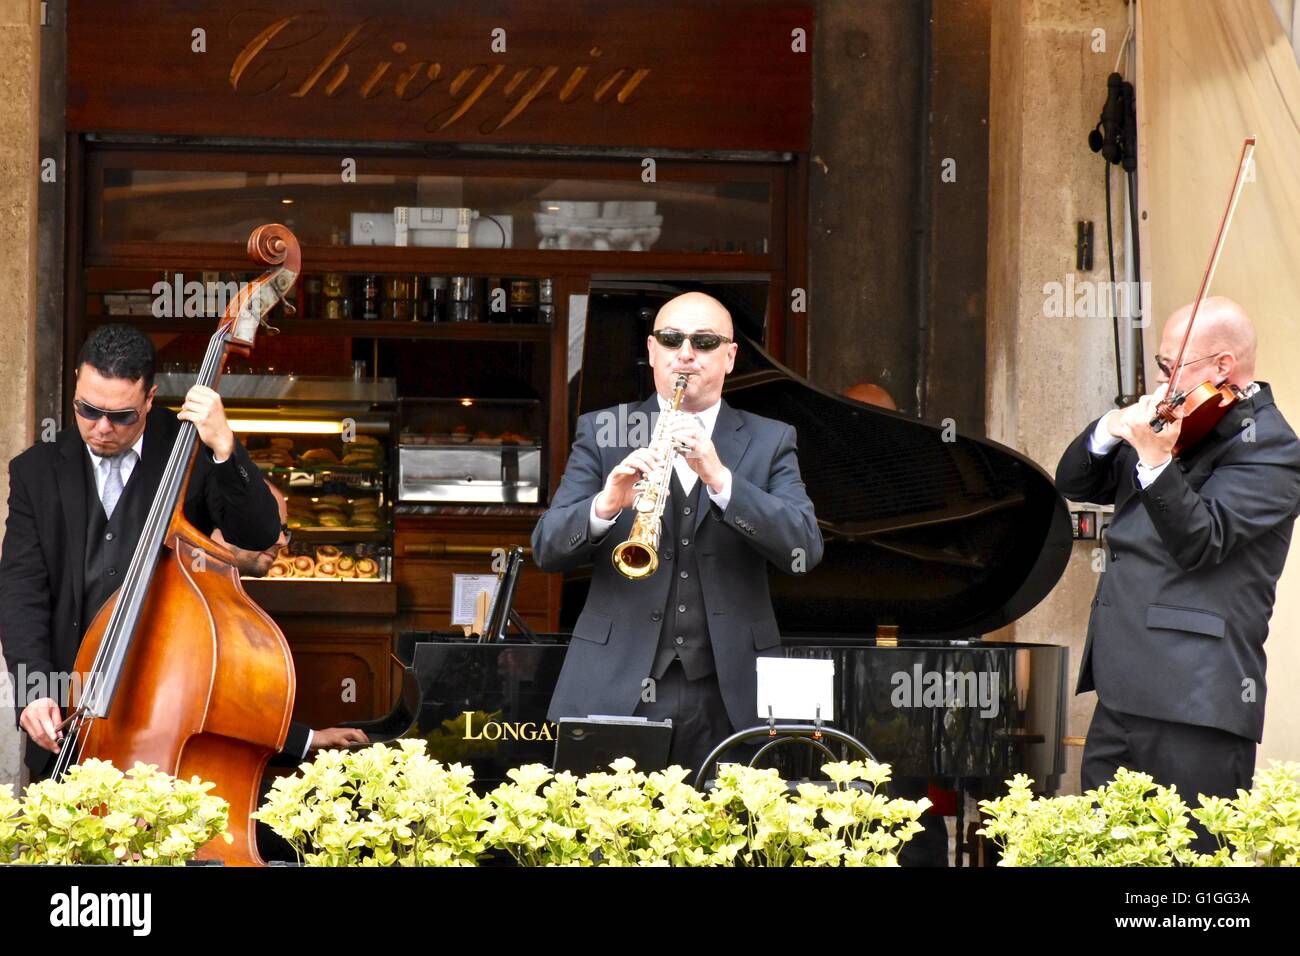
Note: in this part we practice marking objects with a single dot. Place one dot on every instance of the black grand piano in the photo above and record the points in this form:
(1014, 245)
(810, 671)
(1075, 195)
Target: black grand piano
(933, 540)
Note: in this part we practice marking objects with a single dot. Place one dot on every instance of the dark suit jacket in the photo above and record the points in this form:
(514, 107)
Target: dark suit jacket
(42, 565)
(768, 516)
(1181, 614)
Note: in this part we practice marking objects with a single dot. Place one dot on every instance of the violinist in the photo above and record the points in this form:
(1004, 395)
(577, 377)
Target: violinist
(1175, 647)
(77, 506)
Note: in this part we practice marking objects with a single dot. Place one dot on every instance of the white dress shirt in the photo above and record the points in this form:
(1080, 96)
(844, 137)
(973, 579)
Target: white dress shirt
(1103, 442)
(128, 465)
(597, 526)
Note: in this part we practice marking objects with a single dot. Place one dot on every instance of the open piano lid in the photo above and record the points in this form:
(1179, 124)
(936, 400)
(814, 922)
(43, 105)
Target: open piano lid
(938, 538)
(941, 539)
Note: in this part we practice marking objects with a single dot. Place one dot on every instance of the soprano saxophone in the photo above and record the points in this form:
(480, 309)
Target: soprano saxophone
(638, 556)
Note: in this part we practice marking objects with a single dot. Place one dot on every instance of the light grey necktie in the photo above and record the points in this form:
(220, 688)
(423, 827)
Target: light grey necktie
(112, 483)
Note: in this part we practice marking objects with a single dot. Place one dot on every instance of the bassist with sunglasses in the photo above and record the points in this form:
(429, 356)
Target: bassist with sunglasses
(77, 506)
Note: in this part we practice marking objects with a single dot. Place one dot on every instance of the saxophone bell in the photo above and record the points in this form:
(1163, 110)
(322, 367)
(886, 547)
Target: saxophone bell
(638, 556)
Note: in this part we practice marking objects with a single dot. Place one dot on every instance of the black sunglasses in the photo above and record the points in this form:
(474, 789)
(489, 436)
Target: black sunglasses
(1163, 365)
(124, 416)
(700, 341)
(287, 532)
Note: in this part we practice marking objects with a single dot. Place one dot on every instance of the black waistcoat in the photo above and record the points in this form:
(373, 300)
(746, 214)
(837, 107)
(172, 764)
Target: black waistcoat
(685, 635)
(111, 543)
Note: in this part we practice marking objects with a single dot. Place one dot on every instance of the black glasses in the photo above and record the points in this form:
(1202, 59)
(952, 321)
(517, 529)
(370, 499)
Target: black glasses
(287, 532)
(700, 341)
(123, 416)
(1163, 365)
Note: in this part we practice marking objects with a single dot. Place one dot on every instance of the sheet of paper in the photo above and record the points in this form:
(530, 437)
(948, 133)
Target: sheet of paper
(795, 688)
(465, 589)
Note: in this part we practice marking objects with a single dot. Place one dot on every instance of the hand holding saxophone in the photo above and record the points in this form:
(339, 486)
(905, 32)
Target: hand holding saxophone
(696, 448)
(622, 485)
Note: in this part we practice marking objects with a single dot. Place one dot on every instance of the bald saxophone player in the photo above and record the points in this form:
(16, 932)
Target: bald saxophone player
(682, 643)
(1175, 647)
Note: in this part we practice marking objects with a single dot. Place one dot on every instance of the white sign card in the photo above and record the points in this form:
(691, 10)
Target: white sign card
(465, 589)
(796, 688)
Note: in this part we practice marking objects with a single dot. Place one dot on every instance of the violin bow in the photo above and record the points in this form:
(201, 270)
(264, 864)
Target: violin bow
(1172, 399)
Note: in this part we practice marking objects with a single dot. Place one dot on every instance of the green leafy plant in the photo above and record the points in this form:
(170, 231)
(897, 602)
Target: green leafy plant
(629, 818)
(98, 814)
(536, 818)
(379, 806)
(10, 834)
(1256, 828)
(388, 805)
(849, 824)
(1133, 822)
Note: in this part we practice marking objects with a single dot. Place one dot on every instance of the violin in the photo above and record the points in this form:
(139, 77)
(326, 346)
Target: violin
(1204, 405)
(181, 668)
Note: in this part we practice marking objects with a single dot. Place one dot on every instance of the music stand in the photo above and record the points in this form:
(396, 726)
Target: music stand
(591, 744)
(503, 613)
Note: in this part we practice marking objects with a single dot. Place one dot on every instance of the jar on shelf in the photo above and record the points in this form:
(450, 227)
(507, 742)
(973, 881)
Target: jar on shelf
(336, 295)
(433, 303)
(522, 302)
(369, 298)
(546, 300)
(464, 300)
(399, 298)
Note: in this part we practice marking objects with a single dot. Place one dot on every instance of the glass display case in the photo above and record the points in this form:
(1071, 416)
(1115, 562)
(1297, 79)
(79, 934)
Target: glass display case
(324, 443)
(470, 450)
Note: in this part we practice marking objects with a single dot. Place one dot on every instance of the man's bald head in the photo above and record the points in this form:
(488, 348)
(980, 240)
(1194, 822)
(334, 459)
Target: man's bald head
(704, 309)
(1222, 345)
(705, 370)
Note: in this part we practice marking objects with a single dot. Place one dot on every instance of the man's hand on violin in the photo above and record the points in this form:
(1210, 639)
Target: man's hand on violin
(1133, 425)
(203, 407)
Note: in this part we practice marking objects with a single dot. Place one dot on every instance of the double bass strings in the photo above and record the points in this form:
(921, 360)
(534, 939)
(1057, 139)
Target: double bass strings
(113, 648)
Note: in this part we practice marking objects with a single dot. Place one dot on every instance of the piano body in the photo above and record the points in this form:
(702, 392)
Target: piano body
(933, 540)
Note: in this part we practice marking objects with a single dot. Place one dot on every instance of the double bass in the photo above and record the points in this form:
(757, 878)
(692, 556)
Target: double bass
(181, 668)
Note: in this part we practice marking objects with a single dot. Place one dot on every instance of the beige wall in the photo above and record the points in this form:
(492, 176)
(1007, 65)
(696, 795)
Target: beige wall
(1048, 377)
(1211, 74)
(19, 171)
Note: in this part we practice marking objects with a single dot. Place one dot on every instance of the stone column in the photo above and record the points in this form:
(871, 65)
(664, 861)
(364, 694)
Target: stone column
(1046, 376)
(19, 180)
